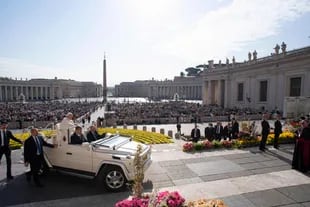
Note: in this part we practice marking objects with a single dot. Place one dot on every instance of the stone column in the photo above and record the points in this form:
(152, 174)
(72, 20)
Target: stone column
(209, 92)
(6, 92)
(219, 93)
(31, 92)
(16, 92)
(11, 92)
(36, 93)
(52, 93)
(27, 93)
(205, 92)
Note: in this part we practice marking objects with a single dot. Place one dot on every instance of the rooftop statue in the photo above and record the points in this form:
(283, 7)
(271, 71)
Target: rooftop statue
(276, 49)
(254, 55)
(283, 47)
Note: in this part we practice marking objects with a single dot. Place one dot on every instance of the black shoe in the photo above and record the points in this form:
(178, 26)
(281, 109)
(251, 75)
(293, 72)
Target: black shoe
(262, 149)
(10, 177)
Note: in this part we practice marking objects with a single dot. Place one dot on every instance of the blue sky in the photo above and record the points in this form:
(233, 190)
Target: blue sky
(142, 39)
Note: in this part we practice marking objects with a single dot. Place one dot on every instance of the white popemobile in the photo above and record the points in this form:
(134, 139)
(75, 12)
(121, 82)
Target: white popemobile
(109, 159)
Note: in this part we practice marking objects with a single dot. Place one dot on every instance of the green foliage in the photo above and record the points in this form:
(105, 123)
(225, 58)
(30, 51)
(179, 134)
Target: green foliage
(198, 146)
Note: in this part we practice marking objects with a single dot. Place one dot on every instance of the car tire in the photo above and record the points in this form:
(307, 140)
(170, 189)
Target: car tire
(113, 178)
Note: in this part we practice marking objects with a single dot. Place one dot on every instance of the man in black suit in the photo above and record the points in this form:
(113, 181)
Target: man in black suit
(195, 134)
(33, 155)
(265, 132)
(218, 131)
(77, 137)
(209, 132)
(234, 128)
(5, 137)
(277, 132)
(92, 134)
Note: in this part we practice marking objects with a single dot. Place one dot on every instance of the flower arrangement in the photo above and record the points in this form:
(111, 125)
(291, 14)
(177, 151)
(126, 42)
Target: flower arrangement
(285, 137)
(161, 199)
(207, 144)
(134, 202)
(169, 199)
(206, 203)
(227, 144)
(139, 135)
(188, 146)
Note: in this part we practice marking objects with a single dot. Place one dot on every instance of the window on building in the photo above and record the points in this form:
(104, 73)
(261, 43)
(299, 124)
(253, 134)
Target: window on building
(295, 87)
(240, 91)
(263, 91)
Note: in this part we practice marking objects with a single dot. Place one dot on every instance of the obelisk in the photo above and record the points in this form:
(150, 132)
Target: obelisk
(104, 89)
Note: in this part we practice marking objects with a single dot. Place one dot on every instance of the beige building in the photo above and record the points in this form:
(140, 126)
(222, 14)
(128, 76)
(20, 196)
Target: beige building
(261, 83)
(182, 87)
(132, 89)
(46, 89)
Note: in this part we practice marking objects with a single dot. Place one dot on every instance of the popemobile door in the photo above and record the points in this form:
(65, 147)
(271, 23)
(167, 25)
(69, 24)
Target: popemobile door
(56, 156)
(79, 157)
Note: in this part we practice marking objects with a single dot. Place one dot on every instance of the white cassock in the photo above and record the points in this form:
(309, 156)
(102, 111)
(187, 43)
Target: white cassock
(66, 124)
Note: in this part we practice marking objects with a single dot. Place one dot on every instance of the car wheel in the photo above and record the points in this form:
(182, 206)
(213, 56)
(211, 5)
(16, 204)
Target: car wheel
(113, 178)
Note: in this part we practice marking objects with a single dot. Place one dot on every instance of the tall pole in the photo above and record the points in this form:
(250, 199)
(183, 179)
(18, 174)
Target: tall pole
(104, 90)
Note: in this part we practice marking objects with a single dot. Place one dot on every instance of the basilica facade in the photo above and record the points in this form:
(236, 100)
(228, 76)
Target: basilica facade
(46, 89)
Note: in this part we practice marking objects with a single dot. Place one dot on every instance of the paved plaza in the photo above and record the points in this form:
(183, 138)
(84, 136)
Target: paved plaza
(241, 177)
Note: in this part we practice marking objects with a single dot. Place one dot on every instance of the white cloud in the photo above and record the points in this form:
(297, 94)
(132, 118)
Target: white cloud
(229, 28)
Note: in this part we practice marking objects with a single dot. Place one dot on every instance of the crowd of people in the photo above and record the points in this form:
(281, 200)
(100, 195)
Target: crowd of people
(45, 111)
(152, 113)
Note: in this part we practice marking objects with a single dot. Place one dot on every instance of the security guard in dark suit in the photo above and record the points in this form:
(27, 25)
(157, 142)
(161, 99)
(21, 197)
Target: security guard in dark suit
(5, 136)
(33, 155)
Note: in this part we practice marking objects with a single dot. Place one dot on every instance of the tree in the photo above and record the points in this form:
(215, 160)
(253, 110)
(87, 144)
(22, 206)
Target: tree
(192, 71)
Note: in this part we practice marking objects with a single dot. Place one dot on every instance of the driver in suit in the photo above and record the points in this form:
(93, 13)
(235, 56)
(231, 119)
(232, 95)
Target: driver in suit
(92, 134)
(77, 137)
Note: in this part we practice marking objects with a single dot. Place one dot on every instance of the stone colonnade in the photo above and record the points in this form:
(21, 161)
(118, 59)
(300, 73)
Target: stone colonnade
(15, 93)
(214, 92)
(185, 92)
